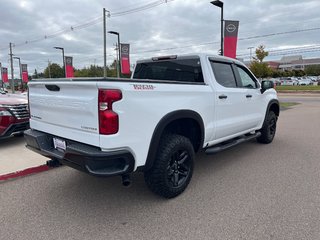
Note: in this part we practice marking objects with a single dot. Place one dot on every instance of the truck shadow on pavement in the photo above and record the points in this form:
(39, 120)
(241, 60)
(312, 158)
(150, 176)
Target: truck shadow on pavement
(10, 141)
(69, 196)
(83, 190)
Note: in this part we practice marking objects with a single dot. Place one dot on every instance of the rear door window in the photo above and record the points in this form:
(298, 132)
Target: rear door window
(182, 70)
(224, 74)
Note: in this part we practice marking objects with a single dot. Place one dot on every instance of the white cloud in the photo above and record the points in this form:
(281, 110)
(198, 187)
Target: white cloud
(180, 26)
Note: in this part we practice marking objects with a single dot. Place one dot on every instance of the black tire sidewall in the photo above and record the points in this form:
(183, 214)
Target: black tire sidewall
(266, 136)
(157, 178)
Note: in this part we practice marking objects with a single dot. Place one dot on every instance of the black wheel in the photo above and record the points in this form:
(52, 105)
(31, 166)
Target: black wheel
(173, 166)
(268, 129)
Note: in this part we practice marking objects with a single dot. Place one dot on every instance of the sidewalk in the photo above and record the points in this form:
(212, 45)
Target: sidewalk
(16, 160)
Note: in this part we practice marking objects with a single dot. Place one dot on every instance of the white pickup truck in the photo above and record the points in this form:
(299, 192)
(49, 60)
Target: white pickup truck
(155, 122)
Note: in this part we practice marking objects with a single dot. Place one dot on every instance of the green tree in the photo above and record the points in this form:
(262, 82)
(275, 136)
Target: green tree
(257, 66)
(312, 70)
(276, 73)
(260, 69)
(261, 53)
(35, 74)
(55, 71)
(298, 73)
(113, 69)
(92, 71)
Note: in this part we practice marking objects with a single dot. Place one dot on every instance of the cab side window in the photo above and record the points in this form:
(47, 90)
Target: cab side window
(224, 74)
(246, 79)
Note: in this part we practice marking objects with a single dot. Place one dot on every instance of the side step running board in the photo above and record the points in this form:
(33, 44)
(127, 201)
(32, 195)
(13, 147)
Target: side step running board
(231, 143)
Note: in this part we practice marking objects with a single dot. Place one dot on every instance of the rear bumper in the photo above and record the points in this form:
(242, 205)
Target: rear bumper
(83, 157)
(15, 128)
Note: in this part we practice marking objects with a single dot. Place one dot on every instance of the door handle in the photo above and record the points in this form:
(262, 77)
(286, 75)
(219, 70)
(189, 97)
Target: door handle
(223, 97)
(52, 87)
(248, 96)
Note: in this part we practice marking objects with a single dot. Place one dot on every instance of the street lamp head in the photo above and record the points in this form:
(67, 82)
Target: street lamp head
(113, 32)
(108, 13)
(217, 3)
(58, 48)
(16, 58)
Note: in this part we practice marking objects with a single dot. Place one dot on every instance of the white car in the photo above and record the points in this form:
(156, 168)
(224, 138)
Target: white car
(289, 81)
(305, 81)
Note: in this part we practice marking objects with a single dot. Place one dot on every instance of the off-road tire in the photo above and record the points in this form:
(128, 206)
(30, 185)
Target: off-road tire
(268, 129)
(173, 166)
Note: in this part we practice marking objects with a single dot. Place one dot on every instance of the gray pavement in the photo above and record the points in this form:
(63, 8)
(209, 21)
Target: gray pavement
(252, 191)
(16, 157)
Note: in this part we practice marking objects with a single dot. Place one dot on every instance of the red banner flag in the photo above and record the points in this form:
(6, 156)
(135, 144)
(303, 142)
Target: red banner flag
(230, 38)
(4, 75)
(24, 69)
(69, 67)
(124, 56)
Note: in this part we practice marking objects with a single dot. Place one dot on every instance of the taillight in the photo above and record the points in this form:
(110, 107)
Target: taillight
(108, 119)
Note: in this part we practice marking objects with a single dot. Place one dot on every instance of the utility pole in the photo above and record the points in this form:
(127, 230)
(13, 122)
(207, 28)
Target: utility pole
(12, 75)
(250, 53)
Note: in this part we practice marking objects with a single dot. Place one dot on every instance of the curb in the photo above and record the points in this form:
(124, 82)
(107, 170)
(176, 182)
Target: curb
(23, 173)
(314, 92)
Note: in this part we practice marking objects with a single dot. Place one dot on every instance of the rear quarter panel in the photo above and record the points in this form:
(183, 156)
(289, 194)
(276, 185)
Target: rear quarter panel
(143, 106)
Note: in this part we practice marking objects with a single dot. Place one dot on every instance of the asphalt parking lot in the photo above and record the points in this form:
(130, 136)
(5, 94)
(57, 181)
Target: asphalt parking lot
(252, 191)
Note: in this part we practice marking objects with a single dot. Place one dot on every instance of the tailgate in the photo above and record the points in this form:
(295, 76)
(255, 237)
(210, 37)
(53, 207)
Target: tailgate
(65, 109)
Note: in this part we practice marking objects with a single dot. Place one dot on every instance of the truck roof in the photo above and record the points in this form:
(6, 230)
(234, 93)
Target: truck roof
(191, 55)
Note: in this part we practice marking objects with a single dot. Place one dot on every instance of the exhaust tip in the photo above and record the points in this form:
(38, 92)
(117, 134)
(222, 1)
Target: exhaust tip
(126, 181)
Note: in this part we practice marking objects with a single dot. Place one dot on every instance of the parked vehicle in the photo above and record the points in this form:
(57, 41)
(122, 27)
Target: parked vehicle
(155, 122)
(289, 81)
(305, 81)
(275, 81)
(3, 91)
(14, 115)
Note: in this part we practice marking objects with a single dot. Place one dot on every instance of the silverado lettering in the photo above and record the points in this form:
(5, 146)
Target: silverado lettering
(143, 87)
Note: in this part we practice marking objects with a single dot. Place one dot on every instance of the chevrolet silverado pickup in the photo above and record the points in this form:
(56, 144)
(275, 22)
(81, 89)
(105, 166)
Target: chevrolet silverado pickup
(155, 122)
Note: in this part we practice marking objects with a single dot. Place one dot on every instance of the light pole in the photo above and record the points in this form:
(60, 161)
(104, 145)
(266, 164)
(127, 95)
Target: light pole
(118, 34)
(62, 49)
(250, 48)
(220, 5)
(1, 76)
(11, 63)
(105, 42)
(20, 70)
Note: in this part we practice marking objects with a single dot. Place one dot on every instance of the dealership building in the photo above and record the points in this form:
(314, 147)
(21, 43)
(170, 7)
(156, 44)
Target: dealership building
(289, 63)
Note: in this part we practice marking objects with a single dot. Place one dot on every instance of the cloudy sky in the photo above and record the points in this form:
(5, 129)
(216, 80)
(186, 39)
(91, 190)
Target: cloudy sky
(285, 27)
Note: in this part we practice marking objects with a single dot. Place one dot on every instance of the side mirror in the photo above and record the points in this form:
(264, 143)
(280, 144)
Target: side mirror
(265, 85)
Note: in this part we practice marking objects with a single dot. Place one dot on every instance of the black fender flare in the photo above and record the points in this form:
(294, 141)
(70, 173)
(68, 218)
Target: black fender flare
(270, 104)
(163, 123)
(273, 101)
